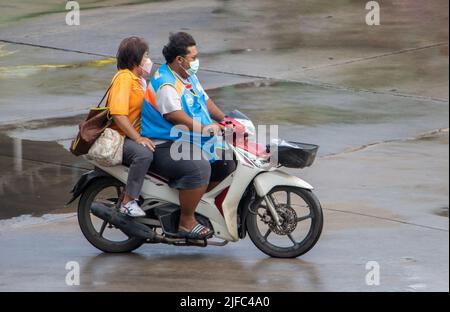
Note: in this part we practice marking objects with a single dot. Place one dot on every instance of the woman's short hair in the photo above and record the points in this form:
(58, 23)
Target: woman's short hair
(130, 52)
(178, 46)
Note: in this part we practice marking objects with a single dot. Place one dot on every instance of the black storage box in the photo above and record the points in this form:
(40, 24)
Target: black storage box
(295, 154)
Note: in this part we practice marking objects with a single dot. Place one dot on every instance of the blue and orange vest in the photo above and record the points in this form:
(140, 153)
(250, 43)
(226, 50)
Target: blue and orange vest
(155, 126)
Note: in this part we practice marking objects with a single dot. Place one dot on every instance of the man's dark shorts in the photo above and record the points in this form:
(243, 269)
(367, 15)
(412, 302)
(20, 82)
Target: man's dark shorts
(188, 173)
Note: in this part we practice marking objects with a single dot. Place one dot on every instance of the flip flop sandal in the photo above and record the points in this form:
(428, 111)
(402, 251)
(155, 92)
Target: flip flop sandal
(196, 233)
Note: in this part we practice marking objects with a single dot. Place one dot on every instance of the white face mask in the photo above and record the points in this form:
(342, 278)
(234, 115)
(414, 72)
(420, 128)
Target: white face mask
(147, 66)
(193, 67)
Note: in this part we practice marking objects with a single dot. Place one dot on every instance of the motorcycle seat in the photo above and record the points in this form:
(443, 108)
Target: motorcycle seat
(153, 174)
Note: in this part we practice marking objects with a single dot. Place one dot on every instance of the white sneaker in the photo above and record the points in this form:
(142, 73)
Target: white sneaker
(132, 209)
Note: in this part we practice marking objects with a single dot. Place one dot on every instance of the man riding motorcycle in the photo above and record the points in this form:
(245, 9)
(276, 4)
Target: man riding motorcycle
(182, 102)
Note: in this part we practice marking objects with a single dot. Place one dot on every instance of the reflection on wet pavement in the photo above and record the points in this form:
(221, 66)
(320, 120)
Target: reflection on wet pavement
(443, 212)
(35, 86)
(36, 177)
(336, 263)
(405, 180)
(161, 268)
(310, 106)
(422, 73)
(383, 187)
(304, 113)
(334, 119)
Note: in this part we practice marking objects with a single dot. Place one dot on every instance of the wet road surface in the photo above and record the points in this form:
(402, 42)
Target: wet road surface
(374, 98)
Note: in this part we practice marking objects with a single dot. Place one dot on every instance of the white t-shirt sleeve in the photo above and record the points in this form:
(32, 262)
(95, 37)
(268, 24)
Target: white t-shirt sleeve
(168, 100)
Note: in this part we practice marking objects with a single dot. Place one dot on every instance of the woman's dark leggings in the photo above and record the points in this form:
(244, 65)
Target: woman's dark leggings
(138, 158)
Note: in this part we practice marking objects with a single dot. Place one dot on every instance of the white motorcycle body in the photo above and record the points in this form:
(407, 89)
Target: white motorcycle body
(223, 218)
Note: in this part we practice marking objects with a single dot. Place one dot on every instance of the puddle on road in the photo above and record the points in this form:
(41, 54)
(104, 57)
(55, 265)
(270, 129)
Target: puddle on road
(36, 177)
(27, 70)
(23, 71)
(334, 119)
(440, 137)
(36, 85)
(443, 212)
(296, 103)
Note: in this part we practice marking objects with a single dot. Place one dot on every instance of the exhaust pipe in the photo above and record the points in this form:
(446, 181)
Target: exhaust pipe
(133, 228)
(125, 223)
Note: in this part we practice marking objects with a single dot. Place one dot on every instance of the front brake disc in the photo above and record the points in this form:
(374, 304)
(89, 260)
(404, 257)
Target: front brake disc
(288, 216)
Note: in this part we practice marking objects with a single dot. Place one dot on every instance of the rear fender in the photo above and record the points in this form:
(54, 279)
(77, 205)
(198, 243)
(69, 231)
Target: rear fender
(84, 181)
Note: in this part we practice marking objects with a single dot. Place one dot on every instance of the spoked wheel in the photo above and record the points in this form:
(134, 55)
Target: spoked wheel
(98, 232)
(301, 221)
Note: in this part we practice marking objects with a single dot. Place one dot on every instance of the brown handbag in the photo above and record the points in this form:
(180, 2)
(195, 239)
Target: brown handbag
(96, 122)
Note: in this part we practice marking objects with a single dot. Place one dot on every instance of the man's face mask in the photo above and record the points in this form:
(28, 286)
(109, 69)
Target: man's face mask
(193, 67)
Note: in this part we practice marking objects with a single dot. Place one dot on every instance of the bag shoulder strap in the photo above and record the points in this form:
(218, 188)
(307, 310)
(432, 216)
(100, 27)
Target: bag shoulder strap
(107, 91)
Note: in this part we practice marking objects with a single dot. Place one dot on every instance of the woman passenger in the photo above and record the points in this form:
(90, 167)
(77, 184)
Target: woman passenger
(125, 103)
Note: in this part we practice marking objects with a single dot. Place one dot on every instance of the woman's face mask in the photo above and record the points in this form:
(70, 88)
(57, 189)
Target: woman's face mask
(146, 66)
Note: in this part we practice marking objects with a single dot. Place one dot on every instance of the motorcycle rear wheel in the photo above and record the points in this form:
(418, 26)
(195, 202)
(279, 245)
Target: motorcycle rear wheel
(260, 224)
(86, 219)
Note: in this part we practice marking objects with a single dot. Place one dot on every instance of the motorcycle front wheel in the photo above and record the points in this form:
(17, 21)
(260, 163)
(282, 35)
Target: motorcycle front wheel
(98, 232)
(301, 222)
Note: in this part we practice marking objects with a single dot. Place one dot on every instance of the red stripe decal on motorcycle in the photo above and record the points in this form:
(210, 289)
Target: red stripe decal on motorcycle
(220, 198)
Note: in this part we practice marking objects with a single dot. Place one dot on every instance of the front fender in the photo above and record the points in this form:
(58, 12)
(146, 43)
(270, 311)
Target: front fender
(266, 181)
(84, 181)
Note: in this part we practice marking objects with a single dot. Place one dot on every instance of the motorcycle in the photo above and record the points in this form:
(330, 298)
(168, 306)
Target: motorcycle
(279, 211)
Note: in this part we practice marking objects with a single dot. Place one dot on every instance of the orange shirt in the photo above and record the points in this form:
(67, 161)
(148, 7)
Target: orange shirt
(125, 98)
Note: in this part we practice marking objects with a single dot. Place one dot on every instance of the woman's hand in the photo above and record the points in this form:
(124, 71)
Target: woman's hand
(146, 142)
(124, 124)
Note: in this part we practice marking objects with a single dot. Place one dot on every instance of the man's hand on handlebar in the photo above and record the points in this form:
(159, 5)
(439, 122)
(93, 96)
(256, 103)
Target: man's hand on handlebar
(213, 129)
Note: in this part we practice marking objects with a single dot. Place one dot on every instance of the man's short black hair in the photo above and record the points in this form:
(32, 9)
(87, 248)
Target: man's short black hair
(130, 52)
(178, 46)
